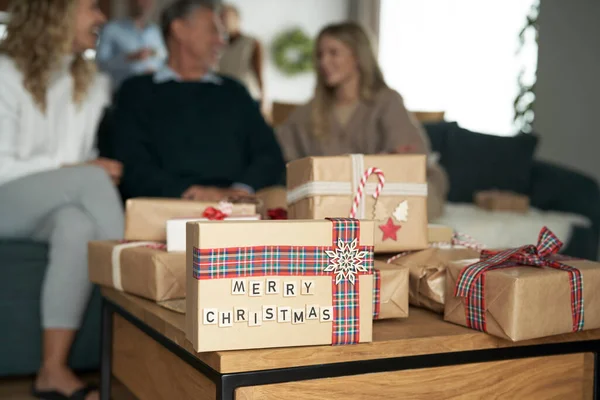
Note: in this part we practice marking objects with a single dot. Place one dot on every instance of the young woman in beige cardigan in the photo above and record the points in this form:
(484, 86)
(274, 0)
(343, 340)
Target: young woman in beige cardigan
(354, 111)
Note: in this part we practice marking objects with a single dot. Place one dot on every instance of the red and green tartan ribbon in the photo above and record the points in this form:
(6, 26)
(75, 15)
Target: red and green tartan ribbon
(376, 293)
(471, 280)
(233, 262)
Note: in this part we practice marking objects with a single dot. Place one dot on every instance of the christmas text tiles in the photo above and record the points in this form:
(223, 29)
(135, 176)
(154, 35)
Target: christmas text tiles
(226, 318)
(272, 286)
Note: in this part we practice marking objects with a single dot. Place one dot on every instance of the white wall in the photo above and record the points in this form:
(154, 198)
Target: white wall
(264, 19)
(568, 86)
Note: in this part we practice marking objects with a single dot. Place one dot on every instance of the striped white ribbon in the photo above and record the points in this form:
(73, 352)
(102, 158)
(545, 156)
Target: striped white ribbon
(319, 188)
(116, 260)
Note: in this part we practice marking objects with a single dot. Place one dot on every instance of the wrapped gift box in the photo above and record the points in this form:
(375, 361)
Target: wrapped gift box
(176, 230)
(505, 295)
(439, 233)
(141, 268)
(273, 202)
(494, 200)
(390, 291)
(323, 187)
(146, 218)
(259, 284)
(427, 274)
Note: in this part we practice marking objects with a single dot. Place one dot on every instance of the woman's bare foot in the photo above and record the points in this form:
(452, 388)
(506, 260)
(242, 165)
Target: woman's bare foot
(62, 380)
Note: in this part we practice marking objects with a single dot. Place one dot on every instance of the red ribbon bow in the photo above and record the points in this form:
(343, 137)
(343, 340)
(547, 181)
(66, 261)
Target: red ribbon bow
(214, 214)
(470, 282)
(277, 213)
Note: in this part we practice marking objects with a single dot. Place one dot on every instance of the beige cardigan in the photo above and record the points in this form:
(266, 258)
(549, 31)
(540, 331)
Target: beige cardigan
(382, 125)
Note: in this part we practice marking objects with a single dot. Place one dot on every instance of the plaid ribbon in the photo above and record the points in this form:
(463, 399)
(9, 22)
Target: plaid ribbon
(376, 293)
(232, 262)
(471, 280)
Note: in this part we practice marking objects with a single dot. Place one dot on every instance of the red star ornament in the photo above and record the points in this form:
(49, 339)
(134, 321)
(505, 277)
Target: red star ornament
(390, 230)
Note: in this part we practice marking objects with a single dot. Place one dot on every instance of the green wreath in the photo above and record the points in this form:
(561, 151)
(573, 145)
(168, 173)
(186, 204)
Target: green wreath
(293, 52)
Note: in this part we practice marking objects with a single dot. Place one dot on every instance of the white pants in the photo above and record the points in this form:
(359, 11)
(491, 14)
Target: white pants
(67, 208)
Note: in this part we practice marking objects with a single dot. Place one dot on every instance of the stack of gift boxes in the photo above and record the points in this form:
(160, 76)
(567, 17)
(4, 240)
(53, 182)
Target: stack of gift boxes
(353, 245)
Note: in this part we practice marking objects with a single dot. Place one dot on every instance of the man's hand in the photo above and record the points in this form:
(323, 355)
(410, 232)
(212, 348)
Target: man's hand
(113, 168)
(140, 55)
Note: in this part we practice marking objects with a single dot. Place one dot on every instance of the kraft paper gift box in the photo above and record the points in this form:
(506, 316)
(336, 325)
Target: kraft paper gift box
(323, 187)
(176, 230)
(273, 202)
(260, 284)
(439, 233)
(510, 298)
(390, 291)
(427, 274)
(141, 268)
(494, 200)
(146, 218)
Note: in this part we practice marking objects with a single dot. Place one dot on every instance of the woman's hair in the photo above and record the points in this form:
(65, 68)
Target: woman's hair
(39, 35)
(371, 77)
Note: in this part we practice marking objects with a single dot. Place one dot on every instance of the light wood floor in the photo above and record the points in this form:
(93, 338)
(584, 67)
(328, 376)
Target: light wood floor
(19, 388)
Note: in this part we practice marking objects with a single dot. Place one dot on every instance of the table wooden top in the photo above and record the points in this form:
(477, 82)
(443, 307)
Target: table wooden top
(422, 333)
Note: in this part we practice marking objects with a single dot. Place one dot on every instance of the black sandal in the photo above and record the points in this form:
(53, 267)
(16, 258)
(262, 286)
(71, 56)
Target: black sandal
(47, 394)
(54, 395)
(83, 392)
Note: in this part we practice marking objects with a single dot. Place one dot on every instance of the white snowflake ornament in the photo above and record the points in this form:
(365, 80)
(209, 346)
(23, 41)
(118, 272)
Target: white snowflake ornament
(346, 261)
(401, 212)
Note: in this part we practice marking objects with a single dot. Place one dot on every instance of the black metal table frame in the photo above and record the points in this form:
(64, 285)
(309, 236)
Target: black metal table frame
(226, 384)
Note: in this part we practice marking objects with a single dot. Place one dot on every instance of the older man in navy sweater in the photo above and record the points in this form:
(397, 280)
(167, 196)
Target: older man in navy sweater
(185, 131)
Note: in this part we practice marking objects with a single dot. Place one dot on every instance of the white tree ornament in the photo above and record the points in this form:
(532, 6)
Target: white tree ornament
(401, 212)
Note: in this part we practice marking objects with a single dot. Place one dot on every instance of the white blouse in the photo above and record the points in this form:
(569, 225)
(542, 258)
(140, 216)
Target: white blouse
(33, 141)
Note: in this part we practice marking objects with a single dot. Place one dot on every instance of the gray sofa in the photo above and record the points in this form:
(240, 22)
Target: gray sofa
(22, 268)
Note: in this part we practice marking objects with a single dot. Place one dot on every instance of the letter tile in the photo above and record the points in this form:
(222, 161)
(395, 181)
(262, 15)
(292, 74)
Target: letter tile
(210, 316)
(290, 289)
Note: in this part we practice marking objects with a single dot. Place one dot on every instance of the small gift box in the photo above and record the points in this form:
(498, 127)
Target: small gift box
(495, 200)
(390, 189)
(141, 268)
(260, 284)
(176, 229)
(390, 295)
(524, 293)
(146, 218)
(273, 202)
(427, 274)
(439, 233)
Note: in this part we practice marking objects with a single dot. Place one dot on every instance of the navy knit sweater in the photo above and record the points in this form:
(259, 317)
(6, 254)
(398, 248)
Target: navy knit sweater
(172, 135)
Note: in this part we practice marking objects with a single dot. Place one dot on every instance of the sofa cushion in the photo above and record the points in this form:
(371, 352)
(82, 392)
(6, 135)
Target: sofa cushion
(476, 161)
(438, 133)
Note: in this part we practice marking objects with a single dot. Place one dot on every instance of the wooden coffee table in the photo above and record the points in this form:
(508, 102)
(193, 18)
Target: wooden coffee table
(144, 346)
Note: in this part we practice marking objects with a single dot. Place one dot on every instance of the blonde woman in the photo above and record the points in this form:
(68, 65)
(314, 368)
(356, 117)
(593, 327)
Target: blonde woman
(52, 185)
(354, 111)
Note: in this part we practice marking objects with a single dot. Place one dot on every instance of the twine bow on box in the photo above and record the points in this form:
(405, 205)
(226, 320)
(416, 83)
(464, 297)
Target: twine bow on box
(471, 280)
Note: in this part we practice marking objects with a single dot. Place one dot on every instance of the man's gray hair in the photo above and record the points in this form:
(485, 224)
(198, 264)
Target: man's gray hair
(179, 9)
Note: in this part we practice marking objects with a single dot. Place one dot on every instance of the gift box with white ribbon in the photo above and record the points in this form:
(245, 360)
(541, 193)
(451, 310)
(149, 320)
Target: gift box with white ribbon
(145, 269)
(390, 189)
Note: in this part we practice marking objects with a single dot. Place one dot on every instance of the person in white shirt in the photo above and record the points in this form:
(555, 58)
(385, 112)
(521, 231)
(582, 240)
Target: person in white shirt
(131, 46)
(52, 185)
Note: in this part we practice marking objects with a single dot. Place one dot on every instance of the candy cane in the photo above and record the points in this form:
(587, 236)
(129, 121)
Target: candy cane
(360, 191)
(462, 239)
